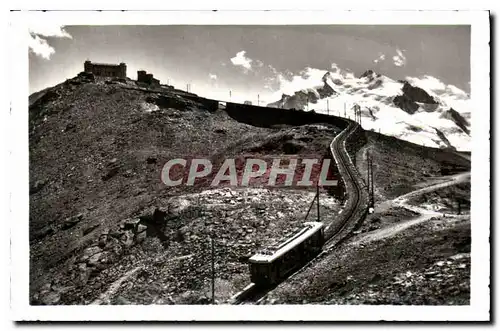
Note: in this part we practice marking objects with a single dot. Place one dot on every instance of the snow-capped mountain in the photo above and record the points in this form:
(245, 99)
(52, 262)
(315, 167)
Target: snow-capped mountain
(420, 110)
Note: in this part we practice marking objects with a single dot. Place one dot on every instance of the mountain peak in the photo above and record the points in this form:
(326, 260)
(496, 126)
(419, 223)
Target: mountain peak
(392, 106)
(368, 73)
(326, 76)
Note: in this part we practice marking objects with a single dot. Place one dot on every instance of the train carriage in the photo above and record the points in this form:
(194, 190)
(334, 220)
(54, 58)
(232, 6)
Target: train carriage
(271, 266)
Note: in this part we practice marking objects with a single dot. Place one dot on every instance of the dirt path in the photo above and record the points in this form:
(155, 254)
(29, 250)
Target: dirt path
(392, 230)
(400, 201)
(454, 180)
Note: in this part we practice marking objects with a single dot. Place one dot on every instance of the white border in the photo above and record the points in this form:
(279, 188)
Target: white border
(18, 171)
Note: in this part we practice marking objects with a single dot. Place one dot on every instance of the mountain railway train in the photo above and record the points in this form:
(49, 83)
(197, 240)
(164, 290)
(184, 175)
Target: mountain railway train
(272, 266)
(268, 269)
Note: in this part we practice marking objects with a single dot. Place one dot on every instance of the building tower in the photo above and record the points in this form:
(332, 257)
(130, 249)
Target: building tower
(123, 70)
(87, 66)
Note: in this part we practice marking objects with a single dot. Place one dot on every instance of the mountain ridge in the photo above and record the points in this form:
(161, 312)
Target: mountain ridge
(393, 107)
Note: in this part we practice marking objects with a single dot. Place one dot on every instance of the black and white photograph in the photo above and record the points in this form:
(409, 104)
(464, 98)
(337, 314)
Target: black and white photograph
(244, 164)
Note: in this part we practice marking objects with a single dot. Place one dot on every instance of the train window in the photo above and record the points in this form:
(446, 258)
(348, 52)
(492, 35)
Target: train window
(260, 270)
(254, 269)
(264, 270)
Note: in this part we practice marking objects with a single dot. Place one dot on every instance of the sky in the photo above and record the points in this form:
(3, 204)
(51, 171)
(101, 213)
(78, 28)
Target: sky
(250, 61)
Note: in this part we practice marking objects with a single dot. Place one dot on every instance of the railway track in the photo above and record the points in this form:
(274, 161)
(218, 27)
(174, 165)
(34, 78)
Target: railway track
(353, 213)
(356, 206)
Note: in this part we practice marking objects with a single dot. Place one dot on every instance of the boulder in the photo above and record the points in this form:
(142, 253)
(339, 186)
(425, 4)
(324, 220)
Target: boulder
(87, 76)
(103, 239)
(89, 252)
(44, 232)
(140, 237)
(95, 259)
(110, 173)
(101, 258)
(89, 229)
(69, 127)
(127, 239)
(72, 221)
(50, 298)
(37, 186)
(177, 206)
(129, 224)
(141, 228)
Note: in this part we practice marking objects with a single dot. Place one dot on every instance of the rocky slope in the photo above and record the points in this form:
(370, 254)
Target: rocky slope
(436, 117)
(411, 253)
(103, 226)
(427, 264)
(105, 229)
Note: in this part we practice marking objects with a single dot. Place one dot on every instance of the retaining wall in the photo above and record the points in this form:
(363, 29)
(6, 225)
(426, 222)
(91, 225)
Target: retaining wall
(209, 104)
(266, 117)
(354, 142)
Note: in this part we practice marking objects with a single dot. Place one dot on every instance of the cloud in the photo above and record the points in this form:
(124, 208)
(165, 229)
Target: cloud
(289, 83)
(380, 58)
(399, 59)
(39, 45)
(49, 31)
(212, 76)
(241, 60)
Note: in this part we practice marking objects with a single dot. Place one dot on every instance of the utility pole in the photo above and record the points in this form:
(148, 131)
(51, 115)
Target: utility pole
(229, 95)
(344, 111)
(327, 107)
(213, 268)
(317, 199)
(369, 161)
(372, 198)
(357, 113)
(368, 170)
(258, 99)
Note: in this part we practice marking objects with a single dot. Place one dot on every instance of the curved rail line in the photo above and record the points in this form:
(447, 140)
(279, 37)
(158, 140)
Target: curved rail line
(356, 208)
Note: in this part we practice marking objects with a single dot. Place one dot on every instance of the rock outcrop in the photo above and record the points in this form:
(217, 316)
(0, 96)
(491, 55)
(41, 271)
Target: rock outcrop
(411, 95)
